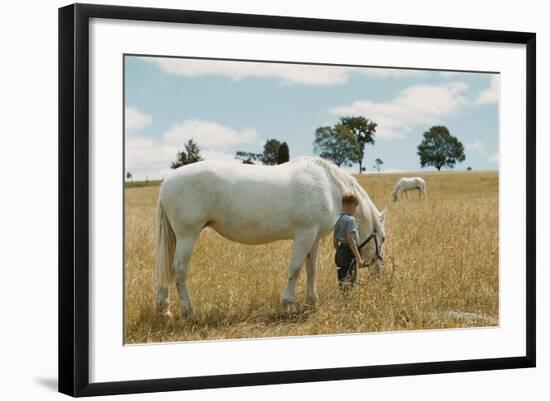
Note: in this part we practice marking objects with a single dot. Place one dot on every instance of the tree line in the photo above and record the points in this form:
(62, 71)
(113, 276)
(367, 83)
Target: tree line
(344, 144)
(274, 152)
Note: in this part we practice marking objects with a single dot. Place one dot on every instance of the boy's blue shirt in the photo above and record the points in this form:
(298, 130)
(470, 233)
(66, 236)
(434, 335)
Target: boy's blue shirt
(345, 224)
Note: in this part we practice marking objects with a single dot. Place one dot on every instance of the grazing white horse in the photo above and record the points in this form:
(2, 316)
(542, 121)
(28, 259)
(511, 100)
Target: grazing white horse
(406, 184)
(299, 200)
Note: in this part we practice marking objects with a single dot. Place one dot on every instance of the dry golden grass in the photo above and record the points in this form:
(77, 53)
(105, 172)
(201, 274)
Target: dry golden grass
(441, 261)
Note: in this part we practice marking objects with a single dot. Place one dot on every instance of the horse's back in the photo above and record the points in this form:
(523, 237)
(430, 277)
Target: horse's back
(409, 180)
(247, 203)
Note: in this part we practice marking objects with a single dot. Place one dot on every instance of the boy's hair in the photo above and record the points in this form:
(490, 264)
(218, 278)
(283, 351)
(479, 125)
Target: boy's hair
(349, 199)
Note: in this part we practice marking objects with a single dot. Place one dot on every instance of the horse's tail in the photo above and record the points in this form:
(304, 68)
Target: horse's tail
(166, 246)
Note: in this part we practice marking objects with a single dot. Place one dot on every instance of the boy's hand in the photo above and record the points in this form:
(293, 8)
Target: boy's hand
(360, 262)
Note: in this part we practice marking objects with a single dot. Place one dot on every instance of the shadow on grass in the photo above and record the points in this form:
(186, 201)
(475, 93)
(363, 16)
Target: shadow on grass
(206, 321)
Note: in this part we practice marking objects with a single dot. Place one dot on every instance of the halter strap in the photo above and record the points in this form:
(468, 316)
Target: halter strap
(365, 242)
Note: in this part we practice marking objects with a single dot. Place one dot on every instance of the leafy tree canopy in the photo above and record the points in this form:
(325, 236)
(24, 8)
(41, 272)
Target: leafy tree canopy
(337, 144)
(378, 164)
(274, 152)
(191, 154)
(283, 153)
(271, 151)
(364, 130)
(247, 157)
(440, 149)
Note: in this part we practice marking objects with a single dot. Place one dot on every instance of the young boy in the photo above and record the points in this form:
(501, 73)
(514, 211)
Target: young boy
(346, 238)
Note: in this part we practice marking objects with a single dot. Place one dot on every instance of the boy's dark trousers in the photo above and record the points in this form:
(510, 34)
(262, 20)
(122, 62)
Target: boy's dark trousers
(347, 271)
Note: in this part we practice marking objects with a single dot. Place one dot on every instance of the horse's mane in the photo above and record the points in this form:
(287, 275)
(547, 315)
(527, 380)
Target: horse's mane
(346, 182)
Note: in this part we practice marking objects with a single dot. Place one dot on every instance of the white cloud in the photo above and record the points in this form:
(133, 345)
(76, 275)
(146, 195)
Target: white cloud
(135, 119)
(220, 156)
(147, 156)
(479, 147)
(476, 146)
(287, 73)
(491, 94)
(209, 134)
(414, 106)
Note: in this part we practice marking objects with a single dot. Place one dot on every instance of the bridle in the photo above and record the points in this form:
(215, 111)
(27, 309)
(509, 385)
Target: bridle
(365, 242)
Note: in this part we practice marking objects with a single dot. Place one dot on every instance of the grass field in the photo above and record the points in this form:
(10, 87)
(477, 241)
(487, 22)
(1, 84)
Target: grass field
(441, 271)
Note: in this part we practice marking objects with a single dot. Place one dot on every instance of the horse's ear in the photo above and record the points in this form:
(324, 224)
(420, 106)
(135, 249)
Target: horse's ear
(383, 215)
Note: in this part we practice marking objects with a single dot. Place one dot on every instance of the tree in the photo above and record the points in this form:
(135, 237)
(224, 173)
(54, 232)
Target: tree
(181, 160)
(247, 157)
(364, 130)
(191, 154)
(271, 151)
(378, 164)
(128, 175)
(269, 156)
(283, 153)
(337, 144)
(440, 149)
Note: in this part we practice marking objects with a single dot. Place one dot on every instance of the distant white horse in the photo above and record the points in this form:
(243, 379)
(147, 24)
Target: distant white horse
(406, 184)
(250, 204)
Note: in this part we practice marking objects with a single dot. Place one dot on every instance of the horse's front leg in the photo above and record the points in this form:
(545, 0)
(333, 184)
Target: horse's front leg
(303, 242)
(311, 268)
(184, 249)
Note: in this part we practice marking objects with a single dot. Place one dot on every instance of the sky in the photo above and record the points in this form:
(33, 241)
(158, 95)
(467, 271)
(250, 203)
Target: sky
(227, 106)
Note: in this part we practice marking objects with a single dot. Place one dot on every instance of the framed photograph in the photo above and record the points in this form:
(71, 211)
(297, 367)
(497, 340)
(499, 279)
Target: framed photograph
(251, 199)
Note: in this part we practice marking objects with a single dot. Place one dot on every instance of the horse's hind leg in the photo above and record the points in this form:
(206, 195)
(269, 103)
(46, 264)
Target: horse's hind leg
(303, 242)
(311, 267)
(184, 248)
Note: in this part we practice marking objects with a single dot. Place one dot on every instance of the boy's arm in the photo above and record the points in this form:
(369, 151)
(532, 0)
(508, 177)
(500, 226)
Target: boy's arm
(353, 246)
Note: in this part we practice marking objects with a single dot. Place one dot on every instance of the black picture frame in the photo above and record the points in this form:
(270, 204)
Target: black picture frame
(74, 198)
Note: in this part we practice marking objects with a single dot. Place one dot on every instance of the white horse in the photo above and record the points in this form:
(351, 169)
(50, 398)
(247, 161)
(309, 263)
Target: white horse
(406, 184)
(299, 200)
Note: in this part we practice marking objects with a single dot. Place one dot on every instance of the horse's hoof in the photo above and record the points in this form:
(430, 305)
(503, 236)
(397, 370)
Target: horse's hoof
(312, 300)
(187, 312)
(163, 310)
(289, 308)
